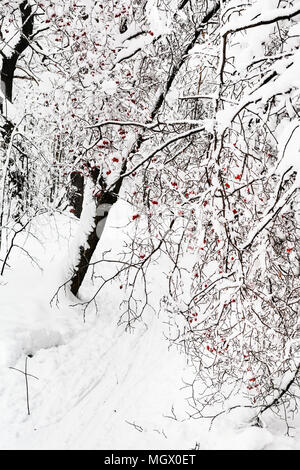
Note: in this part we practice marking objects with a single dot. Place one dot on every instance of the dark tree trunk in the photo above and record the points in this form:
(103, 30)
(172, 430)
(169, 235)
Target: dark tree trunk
(9, 63)
(16, 177)
(76, 192)
(7, 76)
(107, 199)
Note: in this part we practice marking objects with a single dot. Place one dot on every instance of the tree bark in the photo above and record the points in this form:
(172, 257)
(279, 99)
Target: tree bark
(107, 200)
(76, 193)
(9, 63)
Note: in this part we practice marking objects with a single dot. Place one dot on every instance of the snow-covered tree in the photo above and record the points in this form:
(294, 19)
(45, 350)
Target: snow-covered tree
(188, 110)
(218, 191)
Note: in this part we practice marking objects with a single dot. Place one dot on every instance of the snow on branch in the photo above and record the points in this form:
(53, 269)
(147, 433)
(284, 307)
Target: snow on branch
(268, 17)
(271, 214)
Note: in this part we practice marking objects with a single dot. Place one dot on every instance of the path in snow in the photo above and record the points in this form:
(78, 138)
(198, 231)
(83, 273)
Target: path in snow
(98, 387)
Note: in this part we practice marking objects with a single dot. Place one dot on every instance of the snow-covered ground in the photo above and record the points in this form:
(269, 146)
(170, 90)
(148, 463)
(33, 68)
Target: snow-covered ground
(96, 385)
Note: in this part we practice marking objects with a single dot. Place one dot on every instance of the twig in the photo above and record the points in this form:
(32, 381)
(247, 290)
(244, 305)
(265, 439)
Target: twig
(26, 381)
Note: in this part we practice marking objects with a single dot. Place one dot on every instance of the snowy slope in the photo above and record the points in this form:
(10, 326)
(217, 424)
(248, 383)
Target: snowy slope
(95, 385)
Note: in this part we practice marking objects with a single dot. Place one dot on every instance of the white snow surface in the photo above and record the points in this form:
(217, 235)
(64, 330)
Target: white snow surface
(96, 385)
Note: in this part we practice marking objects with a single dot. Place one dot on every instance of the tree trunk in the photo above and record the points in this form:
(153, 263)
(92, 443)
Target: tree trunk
(76, 193)
(9, 63)
(85, 254)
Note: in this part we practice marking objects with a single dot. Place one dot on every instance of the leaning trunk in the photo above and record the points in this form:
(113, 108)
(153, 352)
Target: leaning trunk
(104, 204)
